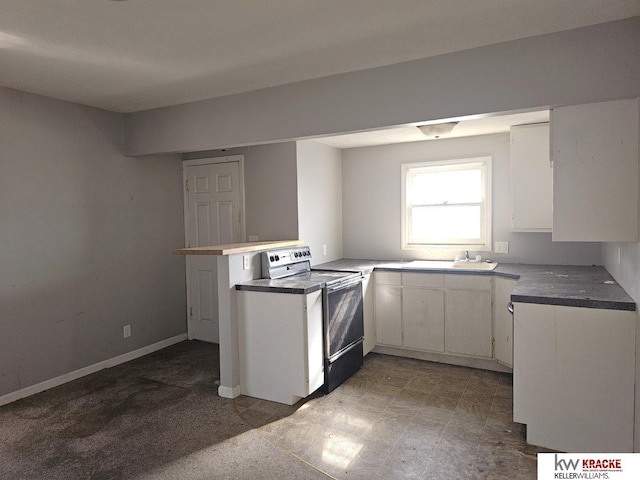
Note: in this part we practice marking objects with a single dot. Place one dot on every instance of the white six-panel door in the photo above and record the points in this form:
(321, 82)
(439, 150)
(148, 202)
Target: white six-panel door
(214, 215)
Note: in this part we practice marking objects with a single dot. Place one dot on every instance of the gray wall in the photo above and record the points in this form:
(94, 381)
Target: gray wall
(320, 199)
(292, 190)
(578, 66)
(371, 189)
(86, 236)
(627, 272)
(270, 184)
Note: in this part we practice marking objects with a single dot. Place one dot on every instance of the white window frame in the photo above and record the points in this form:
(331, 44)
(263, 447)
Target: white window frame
(484, 244)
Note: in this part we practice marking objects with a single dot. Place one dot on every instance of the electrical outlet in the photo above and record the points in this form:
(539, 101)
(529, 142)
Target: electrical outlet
(253, 238)
(127, 331)
(246, 262)
(501, 247)
(324, 249)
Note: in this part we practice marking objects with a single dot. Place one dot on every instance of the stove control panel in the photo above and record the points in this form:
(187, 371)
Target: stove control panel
(287, 256)
(273, 259)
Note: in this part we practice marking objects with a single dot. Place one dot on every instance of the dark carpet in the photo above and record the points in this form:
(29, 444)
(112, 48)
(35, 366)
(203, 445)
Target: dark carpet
(157, 417)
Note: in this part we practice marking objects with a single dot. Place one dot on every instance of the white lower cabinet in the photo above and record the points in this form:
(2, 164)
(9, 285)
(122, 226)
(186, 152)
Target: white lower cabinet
(423, 319)
(502, 321)
(468, 323)
(367, 313)
(573, 377)
(281, 345)
(468, 315)
(388, 308)
(434, 313)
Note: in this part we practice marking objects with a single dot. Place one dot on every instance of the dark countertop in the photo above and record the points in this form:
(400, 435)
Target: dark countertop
(568, 285)
(572, 286)
(301, 283)
(280, 285)
(346, 264)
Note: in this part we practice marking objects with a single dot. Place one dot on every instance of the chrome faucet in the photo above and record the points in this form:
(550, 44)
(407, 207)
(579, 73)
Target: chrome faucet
(466, 255)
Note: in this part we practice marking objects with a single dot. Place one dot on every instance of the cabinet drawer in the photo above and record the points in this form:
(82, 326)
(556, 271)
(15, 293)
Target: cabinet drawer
(388, 278)
(468, 282)
(432, 280)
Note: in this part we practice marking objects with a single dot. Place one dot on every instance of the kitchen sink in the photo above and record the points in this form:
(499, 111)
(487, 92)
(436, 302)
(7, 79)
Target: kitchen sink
(474, 266)
(444, 265)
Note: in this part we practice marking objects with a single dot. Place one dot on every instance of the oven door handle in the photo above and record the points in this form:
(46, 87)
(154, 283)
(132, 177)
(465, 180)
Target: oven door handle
(343, 285)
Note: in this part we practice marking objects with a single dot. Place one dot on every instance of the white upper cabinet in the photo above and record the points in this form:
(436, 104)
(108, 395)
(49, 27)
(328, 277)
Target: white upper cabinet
(594, 150)
(531, 179)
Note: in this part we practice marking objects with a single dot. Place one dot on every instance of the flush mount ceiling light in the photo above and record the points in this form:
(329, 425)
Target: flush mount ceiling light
(437, 129)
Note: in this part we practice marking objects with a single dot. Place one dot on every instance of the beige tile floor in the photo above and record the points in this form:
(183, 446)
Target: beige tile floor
(406, 419)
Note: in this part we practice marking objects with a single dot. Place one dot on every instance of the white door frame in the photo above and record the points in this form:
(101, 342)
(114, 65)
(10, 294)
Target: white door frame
(185, 177)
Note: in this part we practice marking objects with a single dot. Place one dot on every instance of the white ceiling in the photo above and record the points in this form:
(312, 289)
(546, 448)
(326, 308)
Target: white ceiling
(134, 55)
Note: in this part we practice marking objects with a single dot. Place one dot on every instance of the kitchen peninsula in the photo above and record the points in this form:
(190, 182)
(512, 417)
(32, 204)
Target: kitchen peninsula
(225, 266)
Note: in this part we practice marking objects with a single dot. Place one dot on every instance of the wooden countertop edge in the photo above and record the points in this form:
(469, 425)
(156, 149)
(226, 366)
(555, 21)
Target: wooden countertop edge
(233, 248)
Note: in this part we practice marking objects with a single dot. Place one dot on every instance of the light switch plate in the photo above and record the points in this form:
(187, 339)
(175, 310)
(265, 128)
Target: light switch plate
(501, 247)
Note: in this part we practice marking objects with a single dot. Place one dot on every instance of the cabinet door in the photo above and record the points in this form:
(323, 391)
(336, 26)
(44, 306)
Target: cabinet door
(531, 179)
(369, 322)
(573, 378)
(503, 321)
(423, 319)
(313, 344)
(468, 323)
(533, 361)
(280, 345)
(595, 171)
(388, 314)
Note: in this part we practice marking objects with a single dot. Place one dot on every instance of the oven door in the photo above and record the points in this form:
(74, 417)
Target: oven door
(343, 318)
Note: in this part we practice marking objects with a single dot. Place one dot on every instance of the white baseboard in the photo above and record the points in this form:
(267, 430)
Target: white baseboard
(480, 363)
(67, 377)
(229, 392)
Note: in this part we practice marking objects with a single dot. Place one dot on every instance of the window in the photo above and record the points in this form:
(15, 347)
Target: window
(447, 204)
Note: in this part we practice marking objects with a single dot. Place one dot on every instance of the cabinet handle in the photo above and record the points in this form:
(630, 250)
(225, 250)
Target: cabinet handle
(510, 308)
